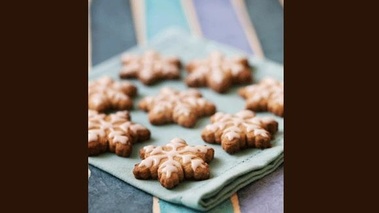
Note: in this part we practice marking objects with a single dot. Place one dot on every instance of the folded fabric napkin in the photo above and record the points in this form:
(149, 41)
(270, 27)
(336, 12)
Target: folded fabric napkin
(228, 172)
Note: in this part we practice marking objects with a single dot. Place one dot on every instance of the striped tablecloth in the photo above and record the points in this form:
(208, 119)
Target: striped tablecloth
(253, 26)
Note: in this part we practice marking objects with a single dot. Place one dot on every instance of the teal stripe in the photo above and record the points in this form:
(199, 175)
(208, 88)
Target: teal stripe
(162, 14)
(166, 207)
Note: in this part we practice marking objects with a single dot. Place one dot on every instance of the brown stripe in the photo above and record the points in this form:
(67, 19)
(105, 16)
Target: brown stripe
(281, 2)
(138, 14)
(248, 27)
(235, 203)
(191, 16)
(156, 208)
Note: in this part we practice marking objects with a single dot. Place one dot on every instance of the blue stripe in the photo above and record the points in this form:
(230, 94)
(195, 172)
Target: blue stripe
(112, 29)
(218, 21)
(107, 193)
(166, 207)
(267, 18)
(255, 196)
(162, 14)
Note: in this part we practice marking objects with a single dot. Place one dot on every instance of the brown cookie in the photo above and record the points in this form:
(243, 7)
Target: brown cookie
(240, 131)
(267, 95)
(181, 107)
(218, 72)
(114, 132)
(150, 67)
(106, 94)
(173, 162)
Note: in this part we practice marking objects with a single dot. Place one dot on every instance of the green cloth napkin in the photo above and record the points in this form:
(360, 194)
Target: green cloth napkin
(229, 173)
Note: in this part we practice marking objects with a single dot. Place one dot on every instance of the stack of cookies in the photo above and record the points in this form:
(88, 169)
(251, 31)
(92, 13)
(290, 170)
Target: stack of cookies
(110, 128)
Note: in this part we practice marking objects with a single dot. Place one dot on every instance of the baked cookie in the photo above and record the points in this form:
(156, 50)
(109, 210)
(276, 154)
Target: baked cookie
(181, 107)
(240, 131)
(114, 132)
(173, 162)
(106, 94)
(218, 72)
(267, 95)
(150, 67)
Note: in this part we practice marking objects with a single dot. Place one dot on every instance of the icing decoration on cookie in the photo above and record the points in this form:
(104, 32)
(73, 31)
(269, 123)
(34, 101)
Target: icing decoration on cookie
(218, 72)
(105, 94)
(149, 67)
(181, 107)
(114, 132)
(174, 162)
(240, 131)
(267, 95)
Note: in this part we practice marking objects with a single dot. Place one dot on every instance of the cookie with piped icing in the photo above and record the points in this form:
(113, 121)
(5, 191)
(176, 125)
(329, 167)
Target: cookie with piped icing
(114, 132)
(150, 67)
(107, 94)
(174, 162)
(267, 95)
(218, 72)
(175, 106)
(240, 131)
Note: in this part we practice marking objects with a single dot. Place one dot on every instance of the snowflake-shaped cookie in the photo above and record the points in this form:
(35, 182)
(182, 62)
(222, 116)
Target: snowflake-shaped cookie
(240, 131)
(105, 94)
(268, 95)
(172, 163)
(150, 67)
(218, 72)
(181, 107)
(114, 132)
